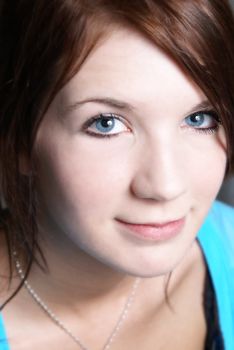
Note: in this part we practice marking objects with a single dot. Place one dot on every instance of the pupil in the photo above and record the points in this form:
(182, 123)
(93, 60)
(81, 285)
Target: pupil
(196, 118)
(106, 123)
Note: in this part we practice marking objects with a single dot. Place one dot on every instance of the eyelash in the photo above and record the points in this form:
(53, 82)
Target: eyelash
(103, 116)
(207, 130)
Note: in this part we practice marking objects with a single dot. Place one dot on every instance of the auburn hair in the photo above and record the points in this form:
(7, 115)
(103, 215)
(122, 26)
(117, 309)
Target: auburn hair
(44, 43)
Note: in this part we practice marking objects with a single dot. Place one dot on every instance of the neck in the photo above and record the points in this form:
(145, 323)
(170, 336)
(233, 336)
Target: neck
(76, 289)
(74, 277)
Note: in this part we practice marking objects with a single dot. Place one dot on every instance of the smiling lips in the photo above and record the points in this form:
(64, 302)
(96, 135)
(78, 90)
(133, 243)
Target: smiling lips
(155, 231)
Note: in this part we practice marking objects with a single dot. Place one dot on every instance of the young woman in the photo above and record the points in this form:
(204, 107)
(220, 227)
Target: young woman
(116, 131)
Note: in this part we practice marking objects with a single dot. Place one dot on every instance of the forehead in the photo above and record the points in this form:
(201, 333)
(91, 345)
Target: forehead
(128, 66)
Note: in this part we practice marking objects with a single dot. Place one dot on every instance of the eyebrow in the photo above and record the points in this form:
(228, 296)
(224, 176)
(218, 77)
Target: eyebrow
(116, 103)
(201, 106)
(108, 101)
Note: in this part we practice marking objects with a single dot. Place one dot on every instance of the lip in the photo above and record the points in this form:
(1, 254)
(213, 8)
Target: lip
(154, 231)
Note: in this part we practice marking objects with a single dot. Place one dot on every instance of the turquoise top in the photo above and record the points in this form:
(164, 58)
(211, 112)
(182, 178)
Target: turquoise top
(3, 339)
(216, 238)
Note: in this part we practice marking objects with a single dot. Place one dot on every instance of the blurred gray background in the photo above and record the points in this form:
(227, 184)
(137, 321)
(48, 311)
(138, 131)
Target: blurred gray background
(227, 191)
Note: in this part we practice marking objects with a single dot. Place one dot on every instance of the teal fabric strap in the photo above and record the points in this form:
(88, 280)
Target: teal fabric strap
(3, 339)
(216, 238)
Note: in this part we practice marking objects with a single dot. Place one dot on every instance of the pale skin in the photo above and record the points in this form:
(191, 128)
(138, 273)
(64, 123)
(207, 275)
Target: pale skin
(158, 168)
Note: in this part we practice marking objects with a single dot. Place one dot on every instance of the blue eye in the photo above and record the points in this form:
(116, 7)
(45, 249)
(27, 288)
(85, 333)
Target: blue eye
(202, 121)
(195, 120)
(107, 124)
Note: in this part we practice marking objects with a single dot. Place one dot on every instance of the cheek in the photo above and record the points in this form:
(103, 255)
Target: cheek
(77, 178)
(207, 170)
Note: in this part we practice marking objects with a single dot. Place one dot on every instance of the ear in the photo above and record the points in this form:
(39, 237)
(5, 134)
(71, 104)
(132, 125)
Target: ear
(24, 165)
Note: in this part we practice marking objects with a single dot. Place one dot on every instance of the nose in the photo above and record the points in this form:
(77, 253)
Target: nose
(160, 174)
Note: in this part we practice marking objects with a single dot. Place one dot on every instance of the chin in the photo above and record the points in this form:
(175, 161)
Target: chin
(147, 270)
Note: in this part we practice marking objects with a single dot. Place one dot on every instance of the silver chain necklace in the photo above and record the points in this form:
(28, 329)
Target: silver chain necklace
(61, 325)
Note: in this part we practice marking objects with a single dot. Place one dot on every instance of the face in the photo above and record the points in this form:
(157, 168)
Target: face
(129, 158)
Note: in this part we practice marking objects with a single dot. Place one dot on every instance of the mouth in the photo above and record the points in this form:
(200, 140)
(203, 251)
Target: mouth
(154, 231)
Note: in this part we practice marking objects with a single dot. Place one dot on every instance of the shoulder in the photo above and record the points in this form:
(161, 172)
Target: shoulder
(216, 237)
(222, 216)
(217, 230)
